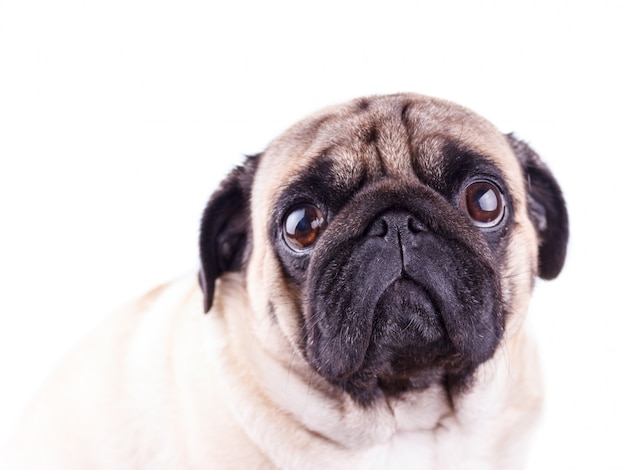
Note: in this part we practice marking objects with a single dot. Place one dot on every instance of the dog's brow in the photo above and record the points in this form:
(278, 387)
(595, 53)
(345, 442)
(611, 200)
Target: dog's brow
(444, 165)
(327, 180)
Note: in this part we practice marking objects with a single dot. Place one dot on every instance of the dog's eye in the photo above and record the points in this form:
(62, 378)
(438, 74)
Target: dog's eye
(484, 203)
(302, 226)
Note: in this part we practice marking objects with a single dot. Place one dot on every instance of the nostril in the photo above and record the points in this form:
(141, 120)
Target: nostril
(415, 226)
(402, 222)
(379, 228)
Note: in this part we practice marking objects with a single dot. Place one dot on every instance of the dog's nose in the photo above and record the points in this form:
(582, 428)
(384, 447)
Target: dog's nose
(396, 224)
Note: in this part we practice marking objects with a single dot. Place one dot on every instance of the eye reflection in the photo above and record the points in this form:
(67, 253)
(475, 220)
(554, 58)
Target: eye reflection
(302, 226)
(484, 203)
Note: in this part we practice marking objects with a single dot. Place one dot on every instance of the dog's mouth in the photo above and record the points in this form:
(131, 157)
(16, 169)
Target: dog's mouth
(406, 311)
(404, 345)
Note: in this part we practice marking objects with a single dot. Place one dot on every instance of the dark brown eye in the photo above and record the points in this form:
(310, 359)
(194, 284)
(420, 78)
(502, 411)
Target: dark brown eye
(302, 226)
(484, 203)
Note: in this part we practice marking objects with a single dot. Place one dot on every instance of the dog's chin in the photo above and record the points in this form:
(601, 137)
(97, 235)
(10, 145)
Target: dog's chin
(406, 315)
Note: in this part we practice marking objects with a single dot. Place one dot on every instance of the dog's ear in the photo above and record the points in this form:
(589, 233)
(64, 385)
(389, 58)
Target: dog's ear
(546, 207)
(225, 232)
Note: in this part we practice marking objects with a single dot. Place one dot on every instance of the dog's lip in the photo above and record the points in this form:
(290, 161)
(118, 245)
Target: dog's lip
(421, 309)
(339, 370)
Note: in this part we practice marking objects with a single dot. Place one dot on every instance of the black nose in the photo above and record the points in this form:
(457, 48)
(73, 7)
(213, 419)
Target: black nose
(393, 225)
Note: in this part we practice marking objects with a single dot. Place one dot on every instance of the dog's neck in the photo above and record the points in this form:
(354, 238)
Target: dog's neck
(326, 420)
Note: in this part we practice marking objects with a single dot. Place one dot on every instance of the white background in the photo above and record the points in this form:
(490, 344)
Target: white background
(118, 118)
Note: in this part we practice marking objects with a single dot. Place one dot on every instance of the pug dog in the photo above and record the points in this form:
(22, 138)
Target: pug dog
(366, 282)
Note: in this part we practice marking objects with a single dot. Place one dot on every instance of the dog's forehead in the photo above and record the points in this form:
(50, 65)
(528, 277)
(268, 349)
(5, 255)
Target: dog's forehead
(396, 135)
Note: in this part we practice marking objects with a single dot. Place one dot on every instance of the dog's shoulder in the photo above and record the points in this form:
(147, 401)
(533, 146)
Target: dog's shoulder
(115, 389)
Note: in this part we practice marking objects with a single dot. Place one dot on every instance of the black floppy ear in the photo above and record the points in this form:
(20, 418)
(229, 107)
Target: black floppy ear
(225, 234)
(546, 207)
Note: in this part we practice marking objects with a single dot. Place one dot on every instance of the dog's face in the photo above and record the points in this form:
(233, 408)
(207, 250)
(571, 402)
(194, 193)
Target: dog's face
(394, 240)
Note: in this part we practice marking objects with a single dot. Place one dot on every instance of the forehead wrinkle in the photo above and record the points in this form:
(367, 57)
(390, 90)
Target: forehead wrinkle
(347, 168)
(427, 159)
(388, 137)
(393, 146)
(349, 145)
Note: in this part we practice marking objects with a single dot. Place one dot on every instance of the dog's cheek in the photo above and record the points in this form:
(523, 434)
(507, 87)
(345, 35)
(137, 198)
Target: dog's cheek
(273, 299)
(518, 274)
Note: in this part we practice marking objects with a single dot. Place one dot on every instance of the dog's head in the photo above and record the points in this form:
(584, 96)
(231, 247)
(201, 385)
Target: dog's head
(393, 239)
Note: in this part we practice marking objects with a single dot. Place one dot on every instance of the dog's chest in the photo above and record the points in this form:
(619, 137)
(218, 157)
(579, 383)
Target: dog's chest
(432, 450)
